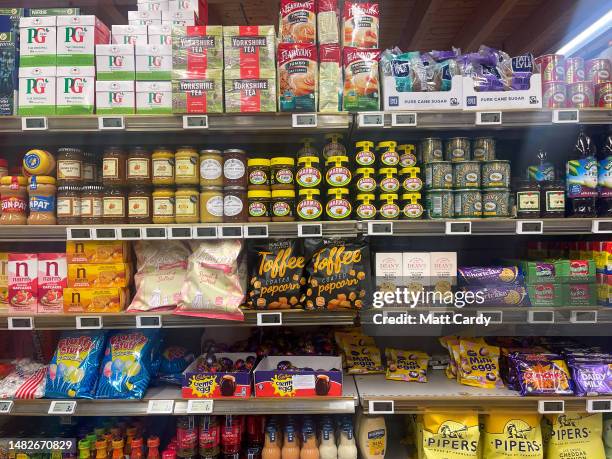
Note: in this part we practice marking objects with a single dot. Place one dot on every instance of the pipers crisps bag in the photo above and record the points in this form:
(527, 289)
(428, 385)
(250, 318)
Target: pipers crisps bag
(508, 435)
(451, 435)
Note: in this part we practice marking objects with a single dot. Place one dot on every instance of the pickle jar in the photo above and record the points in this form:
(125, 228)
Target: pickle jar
(259, 205)
(411, 207)
(283, 205)
(309, 207)
(387, 154)
(366, 206)
(211, 168)
(338, 174)
(308, 173)
(187, 205)
(282, 173)
(387, 180)
(186, 167)
(162, 167)
(365, 156)
(139, 167)
(365, 180)
(338, 205)
(163, 205)
(389, 208)
(259, 173)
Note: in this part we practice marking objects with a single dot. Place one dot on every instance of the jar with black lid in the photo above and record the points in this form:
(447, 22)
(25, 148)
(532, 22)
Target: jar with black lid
(527, 198)
(553, 199)
(69, 205)
(69, 166)
(139, 167)
(234, 168)
(91, 204)
(114, 205)
(139, 205)
(283, 205)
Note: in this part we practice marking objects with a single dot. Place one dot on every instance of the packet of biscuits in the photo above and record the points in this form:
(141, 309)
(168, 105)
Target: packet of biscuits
(408, 366)
(276, 274)
(338, 273)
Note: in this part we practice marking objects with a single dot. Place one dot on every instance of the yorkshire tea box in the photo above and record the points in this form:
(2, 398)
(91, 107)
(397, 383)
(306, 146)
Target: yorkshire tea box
(129, 35)
(252, 47)
(250, 92)
(154, 97)
(37, 91)
(199, 95)
(93, 275)
(115, 63)
(115, 98)
(97, 251)
(38, 41)
(160, 34)
(196, 49)
(8, 70)
(75, 90)
(89, 300)
(54, 11)
(145, 18)
(153, 62)
(77, 37)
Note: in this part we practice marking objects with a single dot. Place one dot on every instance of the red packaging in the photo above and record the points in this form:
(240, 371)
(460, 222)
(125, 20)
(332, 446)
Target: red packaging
(598, 70)
(231, 435)
(551, 66)
(297, 77)
(580, 95)
(52, 280)
(553, 95)
(604, 95)
(23, 282)
(360, 24)
(574, 69)
(298, 21)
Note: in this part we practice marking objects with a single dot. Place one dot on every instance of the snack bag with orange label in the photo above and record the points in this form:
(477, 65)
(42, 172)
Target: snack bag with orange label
(479, 364)
(360, 24)
(298, 21)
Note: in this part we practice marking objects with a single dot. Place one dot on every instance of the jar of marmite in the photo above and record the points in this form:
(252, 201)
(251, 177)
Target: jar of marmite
(338, 173)
(308, 173)
(309, 207)
(365, 156)
(387, 180)
(389, 208)
(365, 180)
(338, 206)
(366, 206)
(387, 154)
(282, 173)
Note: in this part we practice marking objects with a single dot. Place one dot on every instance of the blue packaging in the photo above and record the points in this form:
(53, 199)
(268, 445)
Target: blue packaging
(128, 364)
(73, 370)
(8, 73)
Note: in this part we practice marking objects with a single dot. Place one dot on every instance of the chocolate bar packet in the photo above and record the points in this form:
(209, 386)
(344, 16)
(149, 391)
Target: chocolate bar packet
(500, 295)
(490, 275)
(592, 377)
(543, 374)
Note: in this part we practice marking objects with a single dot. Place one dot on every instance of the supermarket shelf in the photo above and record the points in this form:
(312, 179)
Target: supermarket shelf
(443, 393)
(253, 405)
(169, 320)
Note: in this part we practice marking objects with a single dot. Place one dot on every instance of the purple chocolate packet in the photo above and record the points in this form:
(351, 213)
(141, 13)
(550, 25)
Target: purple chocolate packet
(499, 295)
(490, 275)
(592, 378)
(543, 374)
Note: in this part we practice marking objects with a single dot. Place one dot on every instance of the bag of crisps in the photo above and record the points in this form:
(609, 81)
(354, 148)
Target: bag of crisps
(408, 366)
(573, 435)
(479, 365)
(450, 435)
(363, 359)
(508, 435)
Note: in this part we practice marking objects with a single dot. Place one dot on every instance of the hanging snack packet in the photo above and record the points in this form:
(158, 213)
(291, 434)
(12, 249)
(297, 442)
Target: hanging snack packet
(451, 368)
(573, 435)
(73, 370)
(479, 364)
(297, 77)
(507, 435)
(361, 83)
(298, 23)
(451, 435)
(328, 24)
(363, 359)
(129, 363)
(408, 366)
(330, 78)
(360, 22)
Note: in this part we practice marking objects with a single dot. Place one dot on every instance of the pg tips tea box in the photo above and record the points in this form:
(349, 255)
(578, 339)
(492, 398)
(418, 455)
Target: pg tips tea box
(52, 275)
(153, 97)
(23, 282)
(37, 91)
(38, 41)
(129, 35)
(76, 90)
(77, 37)
(115, 97)
(153, 62)
(115, 62)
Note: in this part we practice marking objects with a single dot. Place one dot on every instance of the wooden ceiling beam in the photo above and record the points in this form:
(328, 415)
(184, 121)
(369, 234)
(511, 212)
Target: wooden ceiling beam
(480, 27)
(420, 20)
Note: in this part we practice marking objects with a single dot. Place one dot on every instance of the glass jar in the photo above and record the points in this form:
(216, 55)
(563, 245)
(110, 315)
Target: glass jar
(410, 181)
(234, 168)
(411, 207)
(69, 166)
(163, 205)
(235, 206)
(3, 168)
(309, 207)
(553, 199)
(187, 203)
(42, 192)
(389, 208)
(281, 173)
(162, 167)
(338, 206)
(38, 162)
(259, 205)
(139, 167)
(211, 168)
(69, 205)
(365, 181)
(387, 154)
(334, 146)
(283, 205)
(113, 167)
(366, 206)
(259, 173)
(187, 167)
(308, 173)
(92, 204)
(139, 205)
(527, 198)
(211, 205)
(407, 153)
(365, 156)
(14, 197)
(338, 174)
(387, 180)
(114, 205)
(90, 167)
(307, 149)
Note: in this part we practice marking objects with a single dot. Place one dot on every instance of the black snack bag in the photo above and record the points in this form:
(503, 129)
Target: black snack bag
(338, 273)
(276, 274)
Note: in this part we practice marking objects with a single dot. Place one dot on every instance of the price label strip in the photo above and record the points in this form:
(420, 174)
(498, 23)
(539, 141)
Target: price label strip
(458, 228)
(113, 123)
(371, 119)
(89, 322)
(304, 120)
(381, 406)
(496, 317)
(583, 317)
(149, 321)
(255, 231)
(204, 232)
(310, 230)
(231, 232)
(404, 119)
(551, 406)
(182, 232)
(380, 228)
(38, 123)
(160, 407)
(565, 116)
(78, 234)
(488, 118)
(108, 234)
(601, 226)
(269, 319)
(155, 233)
(6, 406)
(541, 317)
(599, 406)
(195, 122)
(62, 407)
(130, 234)
(529, 227)
(20, 323)
(200, 406)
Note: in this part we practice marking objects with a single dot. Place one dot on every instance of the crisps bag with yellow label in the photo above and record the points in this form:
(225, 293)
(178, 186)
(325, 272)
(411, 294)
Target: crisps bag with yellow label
(573, 435)
(479, 365)
(408, 366)
(448, 435)
(363, 359)
(507, 435)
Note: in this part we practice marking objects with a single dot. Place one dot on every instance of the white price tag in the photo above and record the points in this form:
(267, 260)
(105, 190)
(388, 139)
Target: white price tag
(154, 233)
(231, 232)
(551, 406)
(179, 232)
(529, 227)
(204, 232)
(380, 228)
(269, 319)
(78, 234)
(88, 322)
(6, 406)
(381, 407)
(496, 317)
(541, 317)
(601, 226)
(130, 234)
(105, 234)
(565, 116)
(20, 323)
(195, 122)
(304, 120)
(200, 406)
(488, 118)
(371, 119)
(255, 231)
(112, 123)
(62, 407)
(459, 227)
(148, 321)
(599, 406)
(403, 119)
(34, 123)
(583, 317)
(310, 230)
(160, 407)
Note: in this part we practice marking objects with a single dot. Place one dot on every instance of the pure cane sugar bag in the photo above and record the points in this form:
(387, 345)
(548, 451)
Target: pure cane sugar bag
(297, 77)
(276, 274)
(360, 23)
(214, 284)
(573, 435)
(507, 435)
(298, 21)
(330, 78)
(128, 364)
(479, 364)
(451, 435)
(338, 273)
(361, 83)
(73, 370)
(408, 366)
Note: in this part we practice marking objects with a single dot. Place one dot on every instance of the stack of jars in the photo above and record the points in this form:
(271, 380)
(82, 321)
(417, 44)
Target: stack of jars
(76, 171)
(309, 182)
(234, 188)
(338, 178)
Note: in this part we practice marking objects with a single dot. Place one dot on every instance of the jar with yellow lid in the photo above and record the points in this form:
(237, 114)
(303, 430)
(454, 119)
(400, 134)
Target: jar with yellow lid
(187, 166)
(211, 205)
(410, 181)
(365, 180)
(163, 205)
(334, 146)
(366, 206)
(259, 205)
(309, 207)
(283, 205)
(187, 205)
(211, 168)
(411, 207)
(281, 175)
(259, 173)
(39, 162)
(307, 149)
(14, 200)
(308, 173)
(162, 165)
(42, 190)
(389, 207)
(388, 180)
(407, 152)
(365, 155)
(387, 154)
(338, 174)
(338, 206)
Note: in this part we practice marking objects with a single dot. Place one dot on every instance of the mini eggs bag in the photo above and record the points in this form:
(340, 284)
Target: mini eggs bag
(363, 359)
(479, 365)
(408, 366)
(73, 370)
(130, 360)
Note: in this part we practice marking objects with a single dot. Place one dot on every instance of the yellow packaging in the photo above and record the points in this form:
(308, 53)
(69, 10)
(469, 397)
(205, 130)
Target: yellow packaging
(97, 251)
(95, 299)
(363, 359)
(451, 368)
(450, 435)
(99, 275)
(507, 435)
(456, 358)
(573, 435)
(4, 282)
(408, 366)
(479, 364)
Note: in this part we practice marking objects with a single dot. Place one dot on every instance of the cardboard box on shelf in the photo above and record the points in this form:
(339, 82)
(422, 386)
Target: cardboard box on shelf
(416, 269)
(250, 94)
(23, 283)
(76, 90)
(129, 35)
(90, 300)
(502, 100)
(153, 62)
(115, 63)
(395, 100)
(154, 97)
(98, 251)
(203, 384)
(181, 17)
(115, 98)
(153, 5)
(77, 37)
(38, 41)
(546, 294)
(388, 271)
(249, 47)
(94, 275)
(160, 34)
(195, 50)
(37, 94)
(54, 11)
(443, 270)
(52, 273)
(145, 18)
(8, 68)
(198, 95)
(9, 20)
(199, 7)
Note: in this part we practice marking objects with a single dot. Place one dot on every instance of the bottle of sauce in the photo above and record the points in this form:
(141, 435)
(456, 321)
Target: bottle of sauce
(347, 448)
(581, 179)
(101, 449)
(136, 448)
(210, 437)
(153, 445)
(327, 447)
(309, 443)
(371, 437)
(186, 436)
(271, 449)
(118, 448)
(291, 449)
(604, 179)
(231, 437)
(84, 451)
